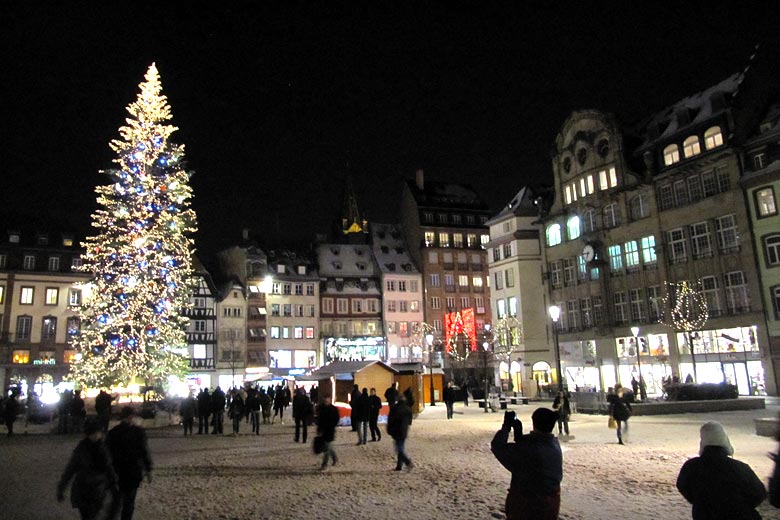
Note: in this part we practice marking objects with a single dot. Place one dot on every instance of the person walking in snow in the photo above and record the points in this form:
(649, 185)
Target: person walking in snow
(92, 473)
(327, 420)
(265, 405)
(204, 410)
(563, 407)
(536, 463)
(354, 397)
(130, 453)
(281, 401)
(187, 410)
(301, 410)
(620, 410)
(398, 423)
(449, 399)
(252, 406)
(362, 415)
(718, 486)
(374, 406)
(236, 411)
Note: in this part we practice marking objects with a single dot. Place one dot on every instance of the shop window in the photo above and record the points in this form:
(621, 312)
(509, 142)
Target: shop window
(20, 357)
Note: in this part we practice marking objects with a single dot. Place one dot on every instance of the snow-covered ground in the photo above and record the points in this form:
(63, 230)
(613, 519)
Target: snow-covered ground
(455, 475)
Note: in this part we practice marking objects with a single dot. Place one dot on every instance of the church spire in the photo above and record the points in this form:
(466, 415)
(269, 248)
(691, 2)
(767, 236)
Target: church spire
(353, 224)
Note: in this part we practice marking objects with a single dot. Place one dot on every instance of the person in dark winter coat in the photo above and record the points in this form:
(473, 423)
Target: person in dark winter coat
(217, 411)
(103, 409)
(449, 399)
(536, 463)
(92, 472)
(78, 412)
(354, 396)
(10, 411)
(130, 453)
(204, 410)
(187, 410)
(375, 406)
(391, 394)
(620, 410)
(265, 405)
(563, 407)
(302, 411)
(236, 411)
(253, 409)
(281, 401)
(327, 420)
(398, 423)
(362, 409)
(718, 486)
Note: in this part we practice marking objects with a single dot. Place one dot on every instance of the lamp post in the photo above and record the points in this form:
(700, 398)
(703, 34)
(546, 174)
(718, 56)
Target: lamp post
(429, 340)
(485, 349)
(555, 314)
(635, 333)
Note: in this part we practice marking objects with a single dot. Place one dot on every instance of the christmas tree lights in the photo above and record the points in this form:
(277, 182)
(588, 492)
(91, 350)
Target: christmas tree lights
(140, 258)
(685, 309)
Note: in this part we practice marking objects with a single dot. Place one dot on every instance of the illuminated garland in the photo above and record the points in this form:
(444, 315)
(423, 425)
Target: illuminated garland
(131, 319)
(689, 310)
(508, 335)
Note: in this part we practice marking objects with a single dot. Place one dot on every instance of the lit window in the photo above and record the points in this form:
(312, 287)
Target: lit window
(612, 178)
(21, 357)
(309, 332)
(573, 227)
(444, 240)
(567, 191)
(765, 202)
(2, 293)
(615, 258)
(554, 235)
(582, 187)
(457, 240)
(603, 180)
(648, 250)
(632, 255)
(430, 237)
(713, 137)
(484, 240)
(52, 295)
(74, 297)
(463, 280)
(591, 186)
(691, 146)
(298, 332)
(476, 281)
(471, 240)
(671, 155)
(26, 295)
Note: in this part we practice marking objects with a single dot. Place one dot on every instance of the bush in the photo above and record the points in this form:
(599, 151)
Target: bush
(702, 392)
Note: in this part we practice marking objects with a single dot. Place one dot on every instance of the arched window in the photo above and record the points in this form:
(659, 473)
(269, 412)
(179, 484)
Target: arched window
(671, 154)
(611, 215)
(589, 222)
(554, 235)
(691, 146)
(573, 227)
(639, 207)
(713, 137)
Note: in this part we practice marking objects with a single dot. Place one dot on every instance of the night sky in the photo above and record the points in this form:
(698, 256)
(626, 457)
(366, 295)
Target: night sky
(277, 107)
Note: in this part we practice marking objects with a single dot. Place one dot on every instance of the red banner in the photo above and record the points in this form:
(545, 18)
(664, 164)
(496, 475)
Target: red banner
(458, 323)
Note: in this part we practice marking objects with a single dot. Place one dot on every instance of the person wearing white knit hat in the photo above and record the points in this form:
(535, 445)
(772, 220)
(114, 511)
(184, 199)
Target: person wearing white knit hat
(718, 486)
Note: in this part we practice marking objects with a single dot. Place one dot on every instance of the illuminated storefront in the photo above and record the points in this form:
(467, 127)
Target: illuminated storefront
(731, 355)
(578, 362)
(360, 348)
(653, 356)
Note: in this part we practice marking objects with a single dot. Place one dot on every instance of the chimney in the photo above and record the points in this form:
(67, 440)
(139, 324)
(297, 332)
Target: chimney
(420, 177)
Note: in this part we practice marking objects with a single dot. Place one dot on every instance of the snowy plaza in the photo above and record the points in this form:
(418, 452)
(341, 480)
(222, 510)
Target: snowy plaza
(455, 475)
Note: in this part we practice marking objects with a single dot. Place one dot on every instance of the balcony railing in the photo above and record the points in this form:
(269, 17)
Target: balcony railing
(200, 337)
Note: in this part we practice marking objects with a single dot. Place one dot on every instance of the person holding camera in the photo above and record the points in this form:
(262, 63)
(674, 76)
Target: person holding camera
(536, 463)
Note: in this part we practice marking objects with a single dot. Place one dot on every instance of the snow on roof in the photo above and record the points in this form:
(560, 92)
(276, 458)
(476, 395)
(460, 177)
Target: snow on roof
(390, 250)
(691, 110)
(522, 204)
(449, 195)
(347, 367)
(345, 260)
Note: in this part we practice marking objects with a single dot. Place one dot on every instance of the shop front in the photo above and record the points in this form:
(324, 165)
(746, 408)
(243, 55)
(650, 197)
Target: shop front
(651, 353)
(358, 348)
(578, 363)
(728, 355)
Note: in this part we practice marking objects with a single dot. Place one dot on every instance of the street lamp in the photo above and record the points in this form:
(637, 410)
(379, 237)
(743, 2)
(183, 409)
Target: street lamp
(635, 333)
(429, 340)
(485, 347)
(555, 314)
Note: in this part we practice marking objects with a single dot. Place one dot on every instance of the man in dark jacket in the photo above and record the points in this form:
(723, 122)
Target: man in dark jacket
(11, 410)
(449, 399)
(398, 423)
(204, 410)
(391, 394)
(375, 406)
(536, 463)
(718, 486)
(301, 410)
(103, 409)
(327, 420)
(187, 410)
(130, 453)
(354, 397)
(218, 411)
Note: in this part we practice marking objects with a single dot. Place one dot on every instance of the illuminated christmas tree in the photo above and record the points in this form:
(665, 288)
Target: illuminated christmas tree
(131, 319)
(687, 311)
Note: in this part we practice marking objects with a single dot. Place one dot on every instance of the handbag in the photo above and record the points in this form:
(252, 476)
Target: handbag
(612, 423)
(318, 445)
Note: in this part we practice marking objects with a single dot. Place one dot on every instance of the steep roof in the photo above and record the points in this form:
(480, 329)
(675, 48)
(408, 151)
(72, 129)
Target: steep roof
(446, 195)
(345, 260)
(348, 367)
(521, 205)
(390, 251)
